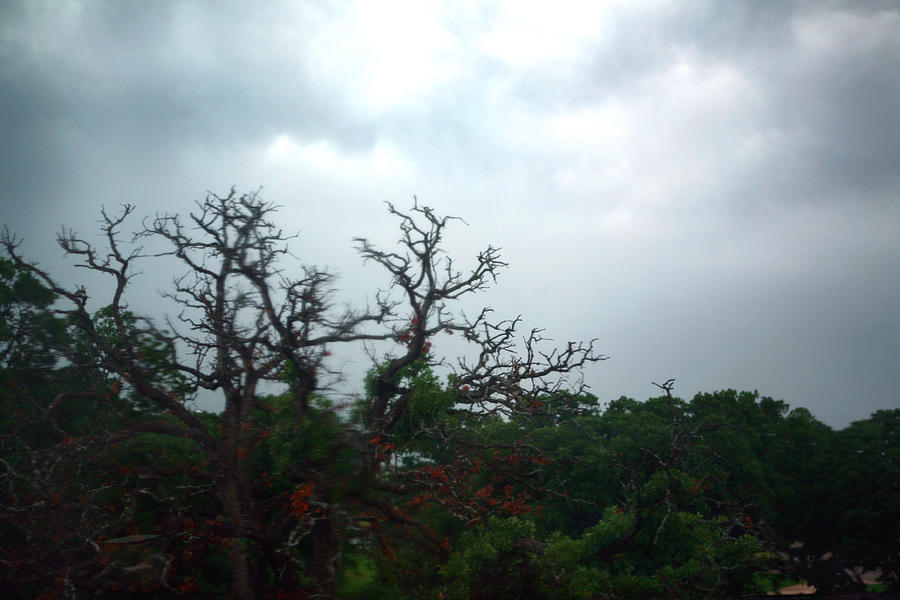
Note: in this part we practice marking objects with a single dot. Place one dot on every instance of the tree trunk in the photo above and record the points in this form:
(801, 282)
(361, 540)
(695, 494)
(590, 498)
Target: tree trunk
(243, 579)
(325, 554)
(244, 570)
(237, 502)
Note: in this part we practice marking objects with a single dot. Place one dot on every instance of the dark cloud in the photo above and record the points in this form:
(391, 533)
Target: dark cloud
(710, 190)
(140, 74)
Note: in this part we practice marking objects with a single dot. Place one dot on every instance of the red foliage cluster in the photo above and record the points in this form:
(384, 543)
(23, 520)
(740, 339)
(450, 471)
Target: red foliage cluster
(476, 486)
(435, 473)
(300, 499)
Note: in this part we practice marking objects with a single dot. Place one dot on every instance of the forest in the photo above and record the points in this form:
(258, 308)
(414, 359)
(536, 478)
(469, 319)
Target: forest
(495, 476)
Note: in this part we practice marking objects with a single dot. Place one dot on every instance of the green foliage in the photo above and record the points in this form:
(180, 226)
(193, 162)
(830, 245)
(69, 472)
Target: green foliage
(29, 331)
(428, 404)
(656, 499)
(492, 562)
(361, 580)
(635, 501)
(864, 484)
(146, 346)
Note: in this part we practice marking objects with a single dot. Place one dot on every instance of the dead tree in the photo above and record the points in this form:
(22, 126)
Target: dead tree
(245, 320)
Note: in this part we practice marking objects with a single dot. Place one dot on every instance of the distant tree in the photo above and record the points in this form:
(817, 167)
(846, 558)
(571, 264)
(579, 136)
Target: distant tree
(824, 500)
(632, 501)
(245, 320)
(869, 486)
(859, 494)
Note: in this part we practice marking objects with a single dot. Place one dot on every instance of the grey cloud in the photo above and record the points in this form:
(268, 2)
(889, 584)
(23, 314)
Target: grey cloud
(753, 245)
(123, 72)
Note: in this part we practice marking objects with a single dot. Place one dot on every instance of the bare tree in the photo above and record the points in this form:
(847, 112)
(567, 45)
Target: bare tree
(244, 320)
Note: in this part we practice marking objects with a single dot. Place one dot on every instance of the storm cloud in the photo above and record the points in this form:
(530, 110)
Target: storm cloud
(710, 189)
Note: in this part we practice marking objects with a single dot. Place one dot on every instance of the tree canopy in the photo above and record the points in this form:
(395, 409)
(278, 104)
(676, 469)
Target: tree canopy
(498, 476)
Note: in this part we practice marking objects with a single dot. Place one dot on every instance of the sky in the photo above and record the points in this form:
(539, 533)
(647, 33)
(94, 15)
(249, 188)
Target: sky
(709, 189)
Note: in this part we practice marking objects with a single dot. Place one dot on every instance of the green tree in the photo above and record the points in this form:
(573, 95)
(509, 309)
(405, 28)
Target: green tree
(626, 502)
(865, 500)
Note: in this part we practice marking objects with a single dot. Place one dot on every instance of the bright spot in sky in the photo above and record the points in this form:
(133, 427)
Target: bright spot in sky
(324, 157)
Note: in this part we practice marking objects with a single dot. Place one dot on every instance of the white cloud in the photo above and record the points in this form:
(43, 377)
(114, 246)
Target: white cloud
(382, 55)
(383, 161)
(526, 33)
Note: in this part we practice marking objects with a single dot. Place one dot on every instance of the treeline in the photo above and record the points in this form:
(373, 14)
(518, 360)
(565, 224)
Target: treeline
(722, 496)
(499, 481)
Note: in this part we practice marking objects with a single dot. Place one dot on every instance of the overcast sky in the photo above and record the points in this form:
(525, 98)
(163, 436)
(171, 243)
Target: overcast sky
(710, 189)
